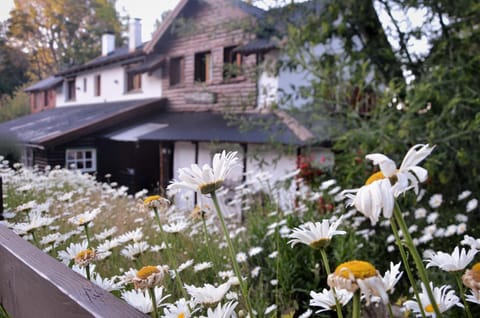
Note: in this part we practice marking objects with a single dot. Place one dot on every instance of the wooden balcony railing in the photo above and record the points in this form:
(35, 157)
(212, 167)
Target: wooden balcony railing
(33, 284)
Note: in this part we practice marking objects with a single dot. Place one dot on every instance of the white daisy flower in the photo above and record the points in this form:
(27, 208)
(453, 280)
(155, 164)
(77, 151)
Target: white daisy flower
(202, 266)
(177, 226)
(471, 241)
(473, 297)
(141, 299)
(457, 261)
(225, 311)
(181, 308)
(132, 251)
(241, 257)
(72, 251)
(185, 265)
(435, 201)
(270, 309)
(206, 179)
(85, 218)
(326, 299)
(208, 294)
(37, 220)
(255, 250)
(106, 233)
(465, 194)
(472, 205)
(109, 284)
(256, 271)
(354, 275)
(135, 236)
(444, 297)
(316, 235)
(391, 277)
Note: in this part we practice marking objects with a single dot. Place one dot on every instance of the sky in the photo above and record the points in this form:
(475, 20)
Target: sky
(151, 10)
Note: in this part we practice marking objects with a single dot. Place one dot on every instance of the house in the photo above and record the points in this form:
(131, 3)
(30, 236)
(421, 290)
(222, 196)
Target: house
(138, 113)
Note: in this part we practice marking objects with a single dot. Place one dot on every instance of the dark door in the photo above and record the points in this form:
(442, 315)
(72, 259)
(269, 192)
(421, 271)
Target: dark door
(166, 165)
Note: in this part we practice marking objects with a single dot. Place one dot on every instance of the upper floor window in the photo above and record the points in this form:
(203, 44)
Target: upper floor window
(71, 89)
(98, 85)
(203, 67)
(232, 63)
(84, 159)
(177, 71)
(134, 82)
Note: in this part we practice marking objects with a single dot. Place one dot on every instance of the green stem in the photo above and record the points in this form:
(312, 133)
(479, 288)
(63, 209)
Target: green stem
(422, 272)
(236, 268)
(35, 240)
(462, 294)
(85, 226)
(327, 269)
(207, 243)
(178, 279)
(356, 304)
(87, 270)
(403, 254)
(390, 311)
(151, 292)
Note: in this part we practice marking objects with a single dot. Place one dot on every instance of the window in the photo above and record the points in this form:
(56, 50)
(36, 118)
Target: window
(203, 67)
(232, 63)
(84, 159)
(27, 157)
(176, 71)
(71, 89)
(98, 86)
(134, 82)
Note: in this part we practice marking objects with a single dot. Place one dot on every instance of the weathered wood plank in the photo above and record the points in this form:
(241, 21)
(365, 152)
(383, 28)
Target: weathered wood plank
(33, 284)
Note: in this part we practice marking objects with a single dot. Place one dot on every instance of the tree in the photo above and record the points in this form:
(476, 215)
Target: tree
(13, 68)
(63, 33)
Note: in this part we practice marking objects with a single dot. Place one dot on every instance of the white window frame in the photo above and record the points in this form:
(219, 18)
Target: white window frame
(79, 155)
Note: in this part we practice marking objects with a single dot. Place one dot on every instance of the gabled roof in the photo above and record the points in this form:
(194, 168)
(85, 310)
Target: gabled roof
(62, 124)
(44, 84)
(160, 32)
(122, 54)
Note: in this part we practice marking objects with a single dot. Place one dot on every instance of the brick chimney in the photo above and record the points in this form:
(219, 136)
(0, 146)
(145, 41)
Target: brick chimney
(108, 43)
(134, 34)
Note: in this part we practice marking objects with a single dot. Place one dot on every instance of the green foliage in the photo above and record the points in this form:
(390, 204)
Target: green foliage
(14, 106)
(58, 34)
(13, 68)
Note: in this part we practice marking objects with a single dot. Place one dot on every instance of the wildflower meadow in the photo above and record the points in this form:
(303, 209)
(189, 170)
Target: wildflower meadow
(271, 246)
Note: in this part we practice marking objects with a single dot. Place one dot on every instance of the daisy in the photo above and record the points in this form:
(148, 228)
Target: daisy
(326, 299)
(255, 250)
(472, 205)
(354, 275)
(180, 309)
(84, 218)
(444, 297)
(157, 202)
(206, 179)
(85, 257)
(141, 300)
(135, 236)
(71, 252)
(473, 297)
(202, 266)
(149, 276)
(471, 241)
(105, 234)
(457, 261)
(176, 226)
(109, 284)
(185, 265)
(465, 194)
(391, 277)
(132, 251)
(378, 193)
(225, 311)
(36, 220)
(435, 201)
(208, 294)
(270, 309)
(316, 235)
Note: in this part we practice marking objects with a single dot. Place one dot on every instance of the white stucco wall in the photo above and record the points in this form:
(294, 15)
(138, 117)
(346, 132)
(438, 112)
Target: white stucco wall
(113, 87)
(275, 162)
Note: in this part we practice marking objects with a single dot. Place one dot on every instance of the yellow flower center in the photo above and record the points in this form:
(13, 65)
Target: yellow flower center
(151, 199)
(429, 308)
(181, 315)
(359, 270)
(146, 271)
(85, 254)
(375, 177)
(475, 272)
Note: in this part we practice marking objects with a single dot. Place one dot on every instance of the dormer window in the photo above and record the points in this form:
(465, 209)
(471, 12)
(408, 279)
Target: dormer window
(70, 89)
(97, 85)
(232, 62)
(203, 67)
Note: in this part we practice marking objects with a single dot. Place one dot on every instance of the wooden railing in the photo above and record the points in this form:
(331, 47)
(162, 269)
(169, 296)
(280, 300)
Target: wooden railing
(33, 284)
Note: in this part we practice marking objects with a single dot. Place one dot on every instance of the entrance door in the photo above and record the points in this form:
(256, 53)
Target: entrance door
(166, 165)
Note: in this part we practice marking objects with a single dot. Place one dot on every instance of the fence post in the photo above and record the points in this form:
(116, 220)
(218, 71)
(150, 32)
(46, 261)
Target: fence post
(1, 199)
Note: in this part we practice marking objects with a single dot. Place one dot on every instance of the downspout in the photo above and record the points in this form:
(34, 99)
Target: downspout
(195, 198)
